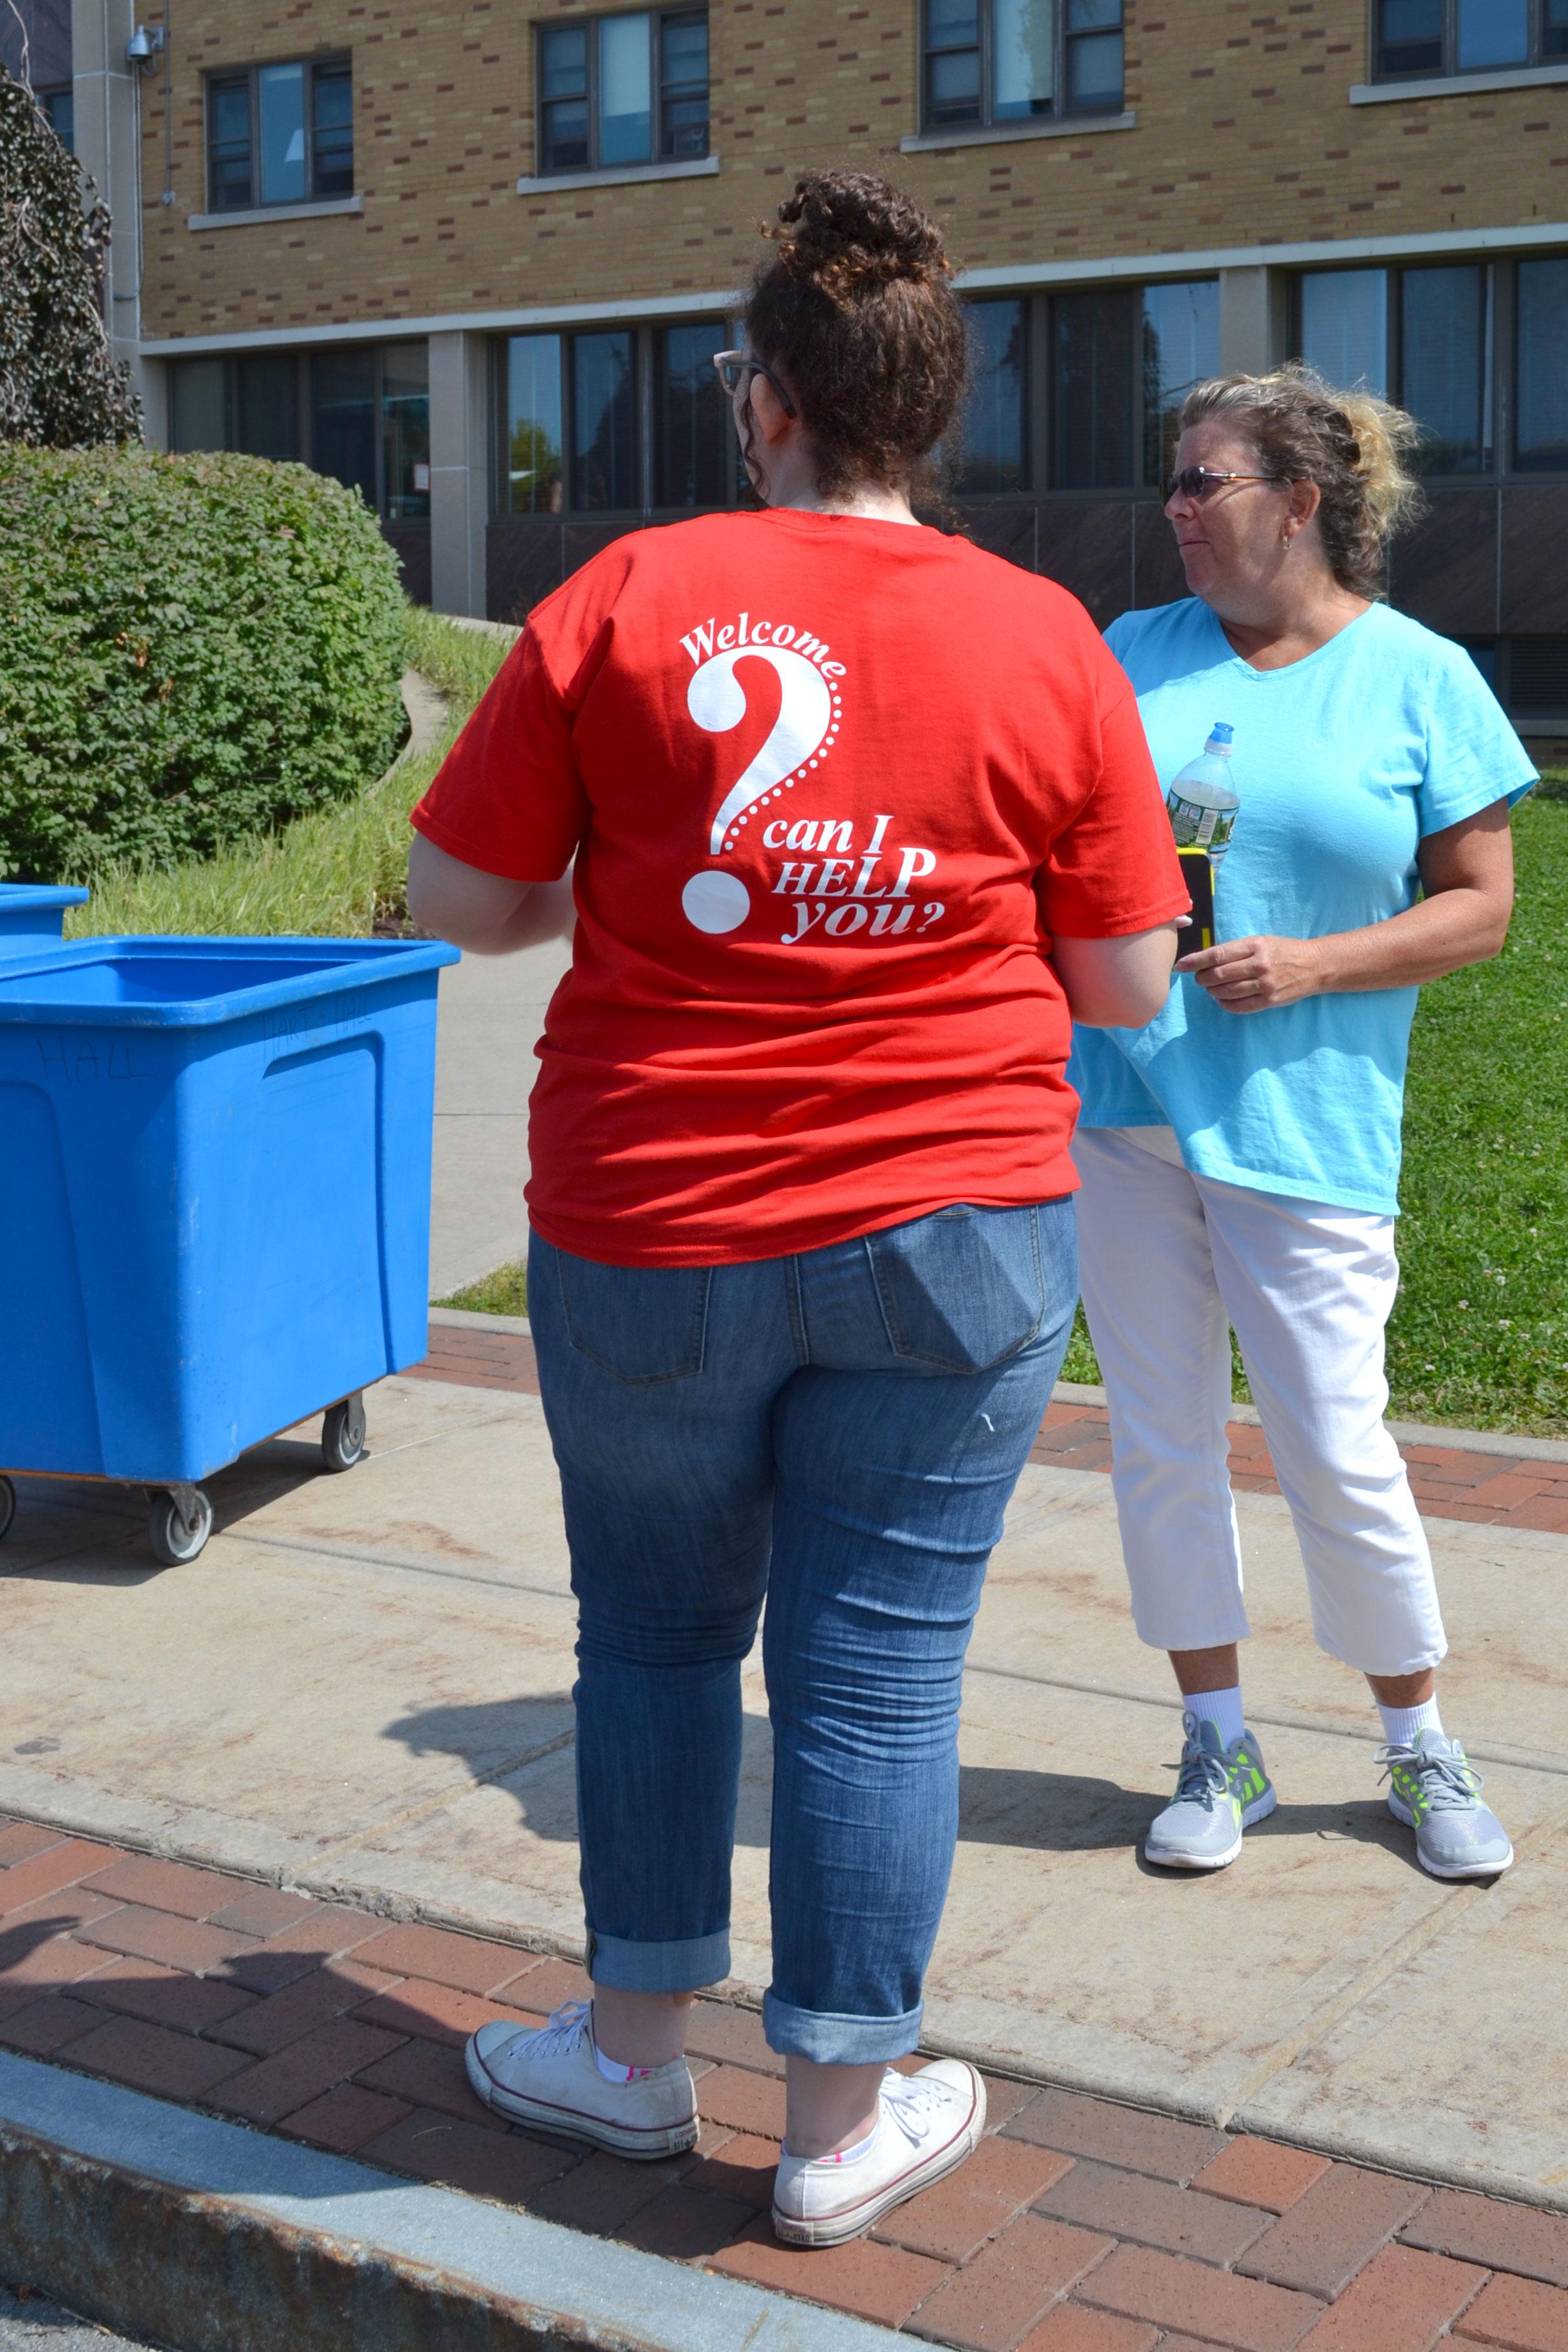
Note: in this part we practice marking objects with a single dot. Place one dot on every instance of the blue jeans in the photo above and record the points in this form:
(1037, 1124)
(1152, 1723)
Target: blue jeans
(839, 1432)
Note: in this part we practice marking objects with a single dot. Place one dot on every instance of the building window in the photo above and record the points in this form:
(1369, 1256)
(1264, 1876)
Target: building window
(604, 421)
(994, 440)
(1446, 364)
(1180, 347)
(280, 135)
(1529, 677)
(531, 451)
(1416, 38)
(625, 420)
(1540, 367)
(1001, 61)
(694, 434)
(1430, 339)
(618, 90)
(360, 413)
(1091, 393)
(1116, 361)
(57, 107)
(1344, 327)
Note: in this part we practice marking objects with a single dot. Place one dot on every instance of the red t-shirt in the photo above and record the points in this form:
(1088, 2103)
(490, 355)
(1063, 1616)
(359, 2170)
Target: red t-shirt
(830, 784)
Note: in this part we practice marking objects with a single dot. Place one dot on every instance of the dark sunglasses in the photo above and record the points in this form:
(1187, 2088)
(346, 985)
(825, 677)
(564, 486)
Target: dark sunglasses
(733, 367)
(1199, 483)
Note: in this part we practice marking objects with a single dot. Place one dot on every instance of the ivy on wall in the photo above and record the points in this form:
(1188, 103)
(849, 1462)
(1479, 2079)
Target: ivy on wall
(61, 386)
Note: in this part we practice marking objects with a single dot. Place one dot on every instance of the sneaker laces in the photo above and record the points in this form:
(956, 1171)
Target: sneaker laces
(1201, 1776)
(561, 2032)
(911, 2102)
(1449, 1783)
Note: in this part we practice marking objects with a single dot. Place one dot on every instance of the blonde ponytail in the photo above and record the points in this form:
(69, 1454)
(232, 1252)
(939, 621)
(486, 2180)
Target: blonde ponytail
(1354, 446)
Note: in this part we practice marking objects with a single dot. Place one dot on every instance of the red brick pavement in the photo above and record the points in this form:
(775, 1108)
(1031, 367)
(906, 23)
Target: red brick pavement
(1497, 1489)
(1078, 2226)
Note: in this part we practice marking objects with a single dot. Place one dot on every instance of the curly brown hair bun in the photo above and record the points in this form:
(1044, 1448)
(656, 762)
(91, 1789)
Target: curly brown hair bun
(844, 231)
(854, 311)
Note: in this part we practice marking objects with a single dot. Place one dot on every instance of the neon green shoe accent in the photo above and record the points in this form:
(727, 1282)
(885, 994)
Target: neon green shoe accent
(1436, 1790)
(1219, 1794)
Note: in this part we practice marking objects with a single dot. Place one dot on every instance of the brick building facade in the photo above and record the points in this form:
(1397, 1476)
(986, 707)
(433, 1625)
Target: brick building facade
(476, 258)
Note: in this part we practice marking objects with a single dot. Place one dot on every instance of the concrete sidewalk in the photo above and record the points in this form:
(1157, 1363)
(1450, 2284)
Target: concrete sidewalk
(362, 1687)
(492, 1010)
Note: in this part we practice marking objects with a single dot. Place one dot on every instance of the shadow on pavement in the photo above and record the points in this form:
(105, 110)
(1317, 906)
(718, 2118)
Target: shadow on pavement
(73, 1516)
(1044, 1812)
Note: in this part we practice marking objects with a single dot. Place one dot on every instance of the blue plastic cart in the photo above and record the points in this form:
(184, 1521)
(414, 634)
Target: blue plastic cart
(214, 1199)
(32, 914)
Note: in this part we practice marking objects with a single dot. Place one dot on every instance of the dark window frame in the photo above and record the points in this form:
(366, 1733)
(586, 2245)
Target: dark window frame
(303, 360)
(335, 63)
(1040, 467)
(1500, 401)
(984, 118)
(649, 344)
(665, 93)
(48, 100)
(1540, 32)
(1528, 675)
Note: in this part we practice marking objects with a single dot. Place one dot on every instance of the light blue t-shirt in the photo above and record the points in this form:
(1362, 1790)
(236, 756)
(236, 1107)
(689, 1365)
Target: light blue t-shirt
(1343, 763)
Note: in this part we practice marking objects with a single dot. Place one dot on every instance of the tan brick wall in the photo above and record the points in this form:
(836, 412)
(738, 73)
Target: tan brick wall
(1244, 136)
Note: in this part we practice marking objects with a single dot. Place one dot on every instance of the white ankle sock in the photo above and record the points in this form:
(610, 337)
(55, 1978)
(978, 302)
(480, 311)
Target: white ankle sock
(614, 2071)
(1222, 1708)
(842, 2155)
(1400, 1724)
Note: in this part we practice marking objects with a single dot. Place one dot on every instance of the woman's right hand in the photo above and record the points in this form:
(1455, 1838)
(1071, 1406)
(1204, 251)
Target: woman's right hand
(1254, 975)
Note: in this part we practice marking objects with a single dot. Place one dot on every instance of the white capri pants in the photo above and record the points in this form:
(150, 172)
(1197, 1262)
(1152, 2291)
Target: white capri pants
(1168, 1260)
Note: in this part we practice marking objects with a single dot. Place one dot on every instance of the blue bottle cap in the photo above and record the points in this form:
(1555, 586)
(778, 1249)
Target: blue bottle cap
(1219, 733)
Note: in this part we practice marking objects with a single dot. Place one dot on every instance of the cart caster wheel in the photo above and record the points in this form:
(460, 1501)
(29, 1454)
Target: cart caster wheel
(179, 1524)
(8, 1508)
(343, 1433)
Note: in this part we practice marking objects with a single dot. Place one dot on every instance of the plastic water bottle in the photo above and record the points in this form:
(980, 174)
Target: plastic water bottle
(1201, 800)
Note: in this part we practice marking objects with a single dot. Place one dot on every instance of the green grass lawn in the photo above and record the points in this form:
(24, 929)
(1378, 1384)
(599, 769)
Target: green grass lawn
(1479, 1336)
(335, 873)
(505, 1292)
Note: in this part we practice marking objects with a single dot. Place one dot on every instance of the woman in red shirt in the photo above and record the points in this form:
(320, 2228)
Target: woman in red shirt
(861, 816)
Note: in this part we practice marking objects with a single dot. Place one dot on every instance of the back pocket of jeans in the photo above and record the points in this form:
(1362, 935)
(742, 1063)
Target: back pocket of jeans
(962, 1289)
(642, 1323)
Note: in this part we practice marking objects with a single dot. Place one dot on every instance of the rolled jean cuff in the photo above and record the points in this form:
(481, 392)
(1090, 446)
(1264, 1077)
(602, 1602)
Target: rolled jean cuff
(839, 2040)
(684, 1966)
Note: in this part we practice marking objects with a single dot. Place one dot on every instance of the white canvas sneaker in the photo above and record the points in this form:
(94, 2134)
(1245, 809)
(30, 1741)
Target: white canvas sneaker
(926, 2125)
(549, 2075)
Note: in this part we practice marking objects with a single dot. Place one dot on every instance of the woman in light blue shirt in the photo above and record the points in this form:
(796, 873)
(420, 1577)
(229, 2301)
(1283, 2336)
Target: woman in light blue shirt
(1240, 1155)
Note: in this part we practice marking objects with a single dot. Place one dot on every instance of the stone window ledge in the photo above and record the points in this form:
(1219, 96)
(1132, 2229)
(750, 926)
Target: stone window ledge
(1383, 93)
(997, 134)
(698, 167)
(257, 213)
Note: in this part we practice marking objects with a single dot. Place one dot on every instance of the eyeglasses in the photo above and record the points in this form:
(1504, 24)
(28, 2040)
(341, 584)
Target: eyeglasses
(732, 365)
(1197, 482)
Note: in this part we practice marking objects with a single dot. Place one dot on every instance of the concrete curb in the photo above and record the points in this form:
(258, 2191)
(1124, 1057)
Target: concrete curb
(462, 1318)
(203, 2234)
(507, 629)
(1404, 1433)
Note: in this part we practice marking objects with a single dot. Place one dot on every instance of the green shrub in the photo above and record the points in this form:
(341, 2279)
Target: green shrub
(192, 650)
(335, 873)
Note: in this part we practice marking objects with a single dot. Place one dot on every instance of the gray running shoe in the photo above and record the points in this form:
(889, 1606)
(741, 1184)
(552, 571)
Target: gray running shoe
(1220, 1791)
(1435, 1789)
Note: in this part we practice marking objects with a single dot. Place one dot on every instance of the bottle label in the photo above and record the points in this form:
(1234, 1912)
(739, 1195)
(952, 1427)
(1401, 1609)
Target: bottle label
(1196, 827)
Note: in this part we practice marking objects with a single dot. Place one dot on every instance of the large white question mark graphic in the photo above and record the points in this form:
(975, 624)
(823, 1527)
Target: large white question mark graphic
(808, 721)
